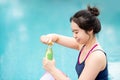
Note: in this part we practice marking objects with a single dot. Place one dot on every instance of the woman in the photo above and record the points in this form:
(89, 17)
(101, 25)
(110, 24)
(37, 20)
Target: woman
(92, 61)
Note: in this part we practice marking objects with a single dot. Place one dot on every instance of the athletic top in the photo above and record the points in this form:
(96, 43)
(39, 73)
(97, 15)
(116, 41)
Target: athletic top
(103, 75)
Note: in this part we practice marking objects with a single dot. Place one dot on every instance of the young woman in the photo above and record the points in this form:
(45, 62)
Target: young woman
(92, 61)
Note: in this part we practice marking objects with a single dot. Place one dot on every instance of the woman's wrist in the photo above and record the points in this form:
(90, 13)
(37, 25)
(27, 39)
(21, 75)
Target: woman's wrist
(52, 69)
(55, 38)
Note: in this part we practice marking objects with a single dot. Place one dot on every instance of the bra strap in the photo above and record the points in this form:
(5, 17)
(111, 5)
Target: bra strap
(91, 50)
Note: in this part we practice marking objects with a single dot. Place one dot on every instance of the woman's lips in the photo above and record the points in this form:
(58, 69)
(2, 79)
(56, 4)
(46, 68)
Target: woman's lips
(78, 40)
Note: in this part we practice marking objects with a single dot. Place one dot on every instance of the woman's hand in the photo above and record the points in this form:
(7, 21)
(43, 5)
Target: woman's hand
(47, 39)
(48, 65)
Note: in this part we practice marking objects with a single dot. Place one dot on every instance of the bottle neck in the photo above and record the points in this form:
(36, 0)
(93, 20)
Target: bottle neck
(50, 45)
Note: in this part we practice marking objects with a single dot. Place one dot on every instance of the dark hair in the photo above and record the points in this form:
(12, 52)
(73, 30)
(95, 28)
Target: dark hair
(87, 19)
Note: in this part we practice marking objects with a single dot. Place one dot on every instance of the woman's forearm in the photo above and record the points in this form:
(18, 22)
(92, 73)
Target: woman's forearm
(58, 75)
(60, 39)
(65, 41)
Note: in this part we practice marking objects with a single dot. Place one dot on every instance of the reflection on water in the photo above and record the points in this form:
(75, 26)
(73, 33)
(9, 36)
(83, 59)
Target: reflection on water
(114, 71)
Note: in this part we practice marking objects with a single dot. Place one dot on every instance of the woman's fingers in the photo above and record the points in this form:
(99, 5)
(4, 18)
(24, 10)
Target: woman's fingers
(47, 39)
(45, 61)
(48, 64)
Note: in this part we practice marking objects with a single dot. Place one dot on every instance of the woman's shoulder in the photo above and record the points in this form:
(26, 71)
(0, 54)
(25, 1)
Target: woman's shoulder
(97, 57)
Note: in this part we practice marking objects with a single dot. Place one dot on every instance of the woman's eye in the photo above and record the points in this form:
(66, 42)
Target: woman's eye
(76, 32)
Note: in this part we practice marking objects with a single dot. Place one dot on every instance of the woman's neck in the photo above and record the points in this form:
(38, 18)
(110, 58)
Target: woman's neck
(90, 42)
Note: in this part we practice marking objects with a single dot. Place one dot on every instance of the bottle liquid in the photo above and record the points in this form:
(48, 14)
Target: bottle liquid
(49, 52)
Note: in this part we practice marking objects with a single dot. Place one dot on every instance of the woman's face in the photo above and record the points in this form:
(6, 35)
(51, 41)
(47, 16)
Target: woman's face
(79, 34)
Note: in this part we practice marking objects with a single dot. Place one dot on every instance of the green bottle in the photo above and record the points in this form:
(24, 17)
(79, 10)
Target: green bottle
(49, 52)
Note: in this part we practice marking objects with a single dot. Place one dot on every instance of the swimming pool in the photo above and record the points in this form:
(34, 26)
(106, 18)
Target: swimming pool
(23, 22)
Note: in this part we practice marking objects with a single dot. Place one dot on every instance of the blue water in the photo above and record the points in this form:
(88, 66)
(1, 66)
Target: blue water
(24, 21)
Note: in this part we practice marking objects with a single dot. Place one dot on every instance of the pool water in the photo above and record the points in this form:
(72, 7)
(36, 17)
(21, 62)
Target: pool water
(23, 22)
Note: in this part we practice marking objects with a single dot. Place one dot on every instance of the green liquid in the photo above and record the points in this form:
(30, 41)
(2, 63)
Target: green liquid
(49, 53)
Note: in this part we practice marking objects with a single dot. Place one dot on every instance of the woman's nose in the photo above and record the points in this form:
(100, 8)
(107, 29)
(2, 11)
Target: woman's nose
(74, 35)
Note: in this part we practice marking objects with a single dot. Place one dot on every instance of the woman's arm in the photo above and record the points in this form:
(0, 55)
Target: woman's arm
(60, 39)
(95, 63)
(56, 73)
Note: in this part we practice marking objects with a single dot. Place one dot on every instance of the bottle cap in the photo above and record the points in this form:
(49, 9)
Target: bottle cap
(50, 42)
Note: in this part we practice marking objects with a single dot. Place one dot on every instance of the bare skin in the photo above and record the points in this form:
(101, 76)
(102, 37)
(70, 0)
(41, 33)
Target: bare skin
(95, 62)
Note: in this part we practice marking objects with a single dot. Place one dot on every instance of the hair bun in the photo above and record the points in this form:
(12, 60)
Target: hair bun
(94, 11)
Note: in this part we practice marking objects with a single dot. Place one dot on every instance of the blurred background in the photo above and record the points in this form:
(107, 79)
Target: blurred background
(22, 22)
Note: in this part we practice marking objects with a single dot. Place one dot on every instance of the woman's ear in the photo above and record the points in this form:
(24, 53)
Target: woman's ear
(90, 32)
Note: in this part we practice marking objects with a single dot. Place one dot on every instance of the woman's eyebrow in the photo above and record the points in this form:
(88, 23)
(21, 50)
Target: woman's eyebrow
(74, 30)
